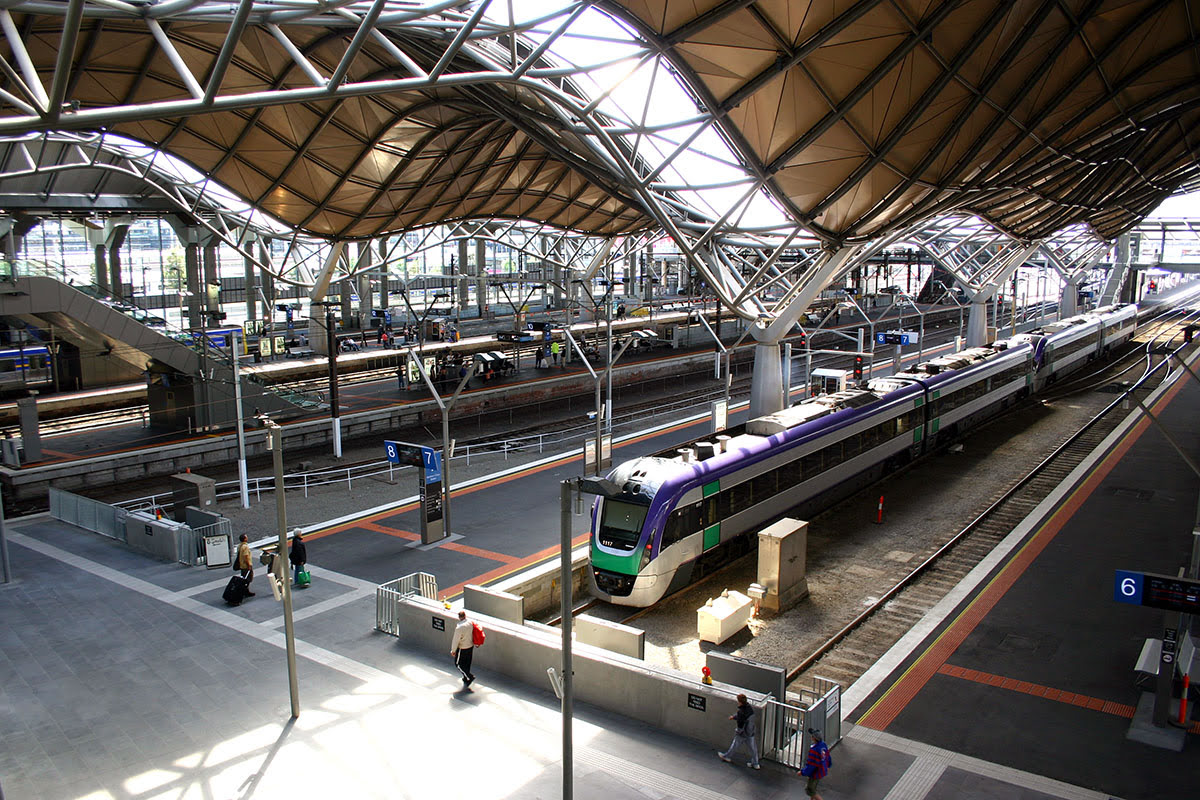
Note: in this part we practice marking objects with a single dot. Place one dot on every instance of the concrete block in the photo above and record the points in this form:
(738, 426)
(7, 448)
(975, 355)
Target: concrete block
(501, 605)
(722, 617)
(612, 636)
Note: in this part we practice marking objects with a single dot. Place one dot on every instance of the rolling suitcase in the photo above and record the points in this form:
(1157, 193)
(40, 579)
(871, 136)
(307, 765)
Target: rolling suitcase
(235, 590)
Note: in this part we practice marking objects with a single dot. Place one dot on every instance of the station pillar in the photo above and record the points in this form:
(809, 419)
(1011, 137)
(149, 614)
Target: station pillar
(116, 238)
(766, 387)
(977, 323)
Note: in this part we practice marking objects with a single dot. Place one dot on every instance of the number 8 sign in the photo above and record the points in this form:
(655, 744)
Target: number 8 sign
(1128, 587)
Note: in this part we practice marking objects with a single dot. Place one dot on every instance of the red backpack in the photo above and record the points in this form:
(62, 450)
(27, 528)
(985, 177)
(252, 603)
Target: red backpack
(477, 635)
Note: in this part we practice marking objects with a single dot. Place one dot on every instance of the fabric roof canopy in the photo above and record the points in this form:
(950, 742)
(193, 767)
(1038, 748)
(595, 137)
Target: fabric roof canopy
(345, 168)
(868, 116)
(859, 117)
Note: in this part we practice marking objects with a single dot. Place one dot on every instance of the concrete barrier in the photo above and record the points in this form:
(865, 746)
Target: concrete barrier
(657, 696)
(611, 636)
(539, 585)
(501, 605)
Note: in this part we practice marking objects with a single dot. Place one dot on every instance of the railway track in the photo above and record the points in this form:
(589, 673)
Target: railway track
(850, 652)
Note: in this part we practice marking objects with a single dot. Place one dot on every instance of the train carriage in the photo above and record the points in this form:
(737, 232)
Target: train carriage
(677, 514)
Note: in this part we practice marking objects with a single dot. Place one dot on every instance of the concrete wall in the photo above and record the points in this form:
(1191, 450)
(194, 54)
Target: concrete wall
(611, 636)
(501, 605)
(657, 696)
(539, 585)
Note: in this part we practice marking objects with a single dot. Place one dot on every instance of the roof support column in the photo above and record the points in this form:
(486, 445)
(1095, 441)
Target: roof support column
(248, 276)
(317, 338)
(212, 282)
(13, 230)
(766, 388)
(366, 293)
(977, 328)
(191, 267)
(98, 239)
(116, 233)
(384, 281)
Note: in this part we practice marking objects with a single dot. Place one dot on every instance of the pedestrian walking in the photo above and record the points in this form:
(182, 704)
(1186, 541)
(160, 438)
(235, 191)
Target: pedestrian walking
(555, 348)
(539, 355)
(385, 340)
(298, 556)
(244, 563)
(462, 649)
(379, 335)
(816, 764)
(744, 733)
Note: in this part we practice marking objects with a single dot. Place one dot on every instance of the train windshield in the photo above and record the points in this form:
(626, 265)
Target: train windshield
(621, 524)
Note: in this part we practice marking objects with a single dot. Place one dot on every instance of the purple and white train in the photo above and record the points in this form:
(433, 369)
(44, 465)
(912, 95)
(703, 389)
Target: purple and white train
(684, 511)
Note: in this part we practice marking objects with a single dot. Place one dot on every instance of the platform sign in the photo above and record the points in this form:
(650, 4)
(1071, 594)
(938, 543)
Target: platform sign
(1157, 591)
(430, 487)
(264, 346)
(897, 337)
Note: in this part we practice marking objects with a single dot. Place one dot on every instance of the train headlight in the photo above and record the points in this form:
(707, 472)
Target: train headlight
(646, 556)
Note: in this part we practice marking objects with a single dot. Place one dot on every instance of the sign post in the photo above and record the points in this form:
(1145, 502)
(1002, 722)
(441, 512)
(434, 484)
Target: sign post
(1179, 595)
(430, 487)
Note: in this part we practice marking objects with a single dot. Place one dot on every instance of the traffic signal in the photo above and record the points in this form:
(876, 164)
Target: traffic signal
(858, 368)
(803, 340)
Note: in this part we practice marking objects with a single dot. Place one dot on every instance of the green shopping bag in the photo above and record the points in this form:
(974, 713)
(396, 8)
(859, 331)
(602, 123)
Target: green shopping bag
(303, 579)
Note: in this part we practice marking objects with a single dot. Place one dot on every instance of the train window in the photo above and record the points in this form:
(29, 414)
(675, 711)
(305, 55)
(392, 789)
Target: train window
(683, 522)
(811, 464)
(789, 475)
(621, 524)
(711, 511)
(741, 497)
(831, 456)
(765, 485)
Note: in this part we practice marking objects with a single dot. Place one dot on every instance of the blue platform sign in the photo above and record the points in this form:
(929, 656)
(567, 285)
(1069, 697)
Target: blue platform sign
(432, 460)
(895, 337)
(1128, 587)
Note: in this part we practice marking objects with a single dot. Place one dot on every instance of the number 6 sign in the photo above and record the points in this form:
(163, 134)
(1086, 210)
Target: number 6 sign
(1128, 588)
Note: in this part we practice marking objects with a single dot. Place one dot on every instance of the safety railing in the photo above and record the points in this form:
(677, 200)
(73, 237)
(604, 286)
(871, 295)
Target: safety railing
(91, 515)
(388, 596)
(785, 728)
(191, 541)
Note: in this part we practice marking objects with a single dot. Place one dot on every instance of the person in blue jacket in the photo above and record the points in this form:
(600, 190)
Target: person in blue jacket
(817, 764)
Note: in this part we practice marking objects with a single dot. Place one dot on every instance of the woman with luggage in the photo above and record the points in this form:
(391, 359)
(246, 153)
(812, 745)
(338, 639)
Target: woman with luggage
(299, 557)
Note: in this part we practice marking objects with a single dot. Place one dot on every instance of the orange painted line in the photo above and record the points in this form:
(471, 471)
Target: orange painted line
(398, 533)
(901, 693)
(501, 572)
(1094, 703)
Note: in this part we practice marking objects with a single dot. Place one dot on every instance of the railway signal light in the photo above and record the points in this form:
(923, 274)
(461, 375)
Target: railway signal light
(803, 340)
(858, 367)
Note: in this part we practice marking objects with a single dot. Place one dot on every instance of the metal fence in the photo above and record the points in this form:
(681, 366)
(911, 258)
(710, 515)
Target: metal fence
(91, 515)
(388, 596)
(785, 726)
(191, 541)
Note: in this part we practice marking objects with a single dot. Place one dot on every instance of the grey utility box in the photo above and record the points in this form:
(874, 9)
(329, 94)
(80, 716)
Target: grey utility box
(156, 537)
(191, 490)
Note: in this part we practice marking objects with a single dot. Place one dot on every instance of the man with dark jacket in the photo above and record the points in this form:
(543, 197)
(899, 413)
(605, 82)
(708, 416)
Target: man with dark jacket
(298, 556)
(744, 733)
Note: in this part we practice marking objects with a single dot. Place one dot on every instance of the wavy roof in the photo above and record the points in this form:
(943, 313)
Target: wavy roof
(859, 118)
(868, 116)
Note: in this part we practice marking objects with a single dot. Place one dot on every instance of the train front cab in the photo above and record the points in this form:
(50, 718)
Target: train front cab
(618, 552)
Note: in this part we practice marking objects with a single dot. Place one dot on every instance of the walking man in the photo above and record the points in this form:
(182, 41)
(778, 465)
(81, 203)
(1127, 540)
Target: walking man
(817, 764)
(555, 347)
(244, 563)
(744, 733)
(462, 649)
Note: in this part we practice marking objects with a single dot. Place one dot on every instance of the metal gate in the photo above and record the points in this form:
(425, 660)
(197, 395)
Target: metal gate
(785, 726)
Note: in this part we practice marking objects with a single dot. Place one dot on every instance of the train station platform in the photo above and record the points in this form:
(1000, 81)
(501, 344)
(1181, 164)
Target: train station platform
(122, 677)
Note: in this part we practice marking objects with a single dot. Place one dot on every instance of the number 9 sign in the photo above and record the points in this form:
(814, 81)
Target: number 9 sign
(1128, 587)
